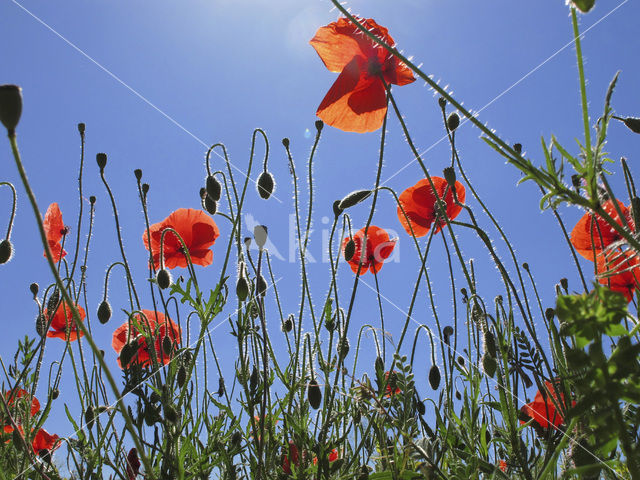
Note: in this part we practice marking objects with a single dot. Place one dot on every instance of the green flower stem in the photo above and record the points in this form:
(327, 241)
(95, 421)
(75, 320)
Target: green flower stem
(76, 316)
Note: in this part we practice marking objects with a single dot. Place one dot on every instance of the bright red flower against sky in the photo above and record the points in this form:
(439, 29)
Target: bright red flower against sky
(419, 204)
(625, 268)
(378, 247)
(54, 229)
(20, 395)
(542, 410)
(588, 235)
(158, 327)
(43, 440)
(390, 389)
(63, 321)
(357, 101)
(198, 231)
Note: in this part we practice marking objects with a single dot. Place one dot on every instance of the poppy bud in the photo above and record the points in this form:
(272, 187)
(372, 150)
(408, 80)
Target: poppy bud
(81, 127)
(442, 102)
(242, 289)
(145, 188)
(167, 346)
(6, 251)
(353, 199)
(489, 364)
(584, 5)
(549, 313)
(564, 283)
(633, 124)
(453, 121)
(421, 408)
(210, 205)
(34, 287)
(41, 325)
(319, 125)
(446, 333)
(138, 173)
(261, 285)
(349, 250)
(92, 199)
(260, 235)
(460, 360)
(525, 265)
(265, 185)
(104, 312)
(52, 303)
(343, 347)
(287, 325)
(163, 277)
(221, 387)
(182, 376)
(253, 380)
(450, 177)
(518, 148)
(337, 211)
(490, 344)
(314, 394)
(285, 142)
(10, 107)
(170, 414)
(89, 416)
(434, 377)
(214, 189)
(101, 158)
(55, 393)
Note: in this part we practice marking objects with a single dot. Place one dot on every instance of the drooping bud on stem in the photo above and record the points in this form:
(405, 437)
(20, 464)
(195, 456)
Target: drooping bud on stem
(6, 251)
(214, 189)
(314, 394)
(104, 312)
(434, 377)
(101, 159)
(265, 185)
(260, 235)
(450, 176)
(10, 107)
(349, 249)
(163, 278)
(353, 199)
(453, 121)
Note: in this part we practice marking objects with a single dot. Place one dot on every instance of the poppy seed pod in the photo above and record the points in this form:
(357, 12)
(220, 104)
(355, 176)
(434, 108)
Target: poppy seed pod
(260, 235)
(450, 176)
(10, 106)
(353, 199)
(242, 289)
(92, 199)
(549, 313)
(564, 283)
(33, 288)
(314, 394)
(101, 159)
(349, 249)
(434, 377)
(138, 173)
(145, 188)
(633, 124)
(453, 121)
(261, 285)
(104, 312)
(210, 205)
(265, 185)
(442, 102)
(214, 189)
(81, 128)
(6, 251)
(163, 278)
(446, 333)
(319, 125)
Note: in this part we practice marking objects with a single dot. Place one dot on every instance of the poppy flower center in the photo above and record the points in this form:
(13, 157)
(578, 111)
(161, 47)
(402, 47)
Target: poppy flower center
(374, 68)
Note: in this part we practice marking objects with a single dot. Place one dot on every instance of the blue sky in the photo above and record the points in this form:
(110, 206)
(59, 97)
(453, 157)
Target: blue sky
(157, 83)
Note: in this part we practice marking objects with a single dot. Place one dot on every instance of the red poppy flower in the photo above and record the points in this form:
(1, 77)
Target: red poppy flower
(419, 203)
(158, 327)
(357, 101)
(20, 393)
(378, 247)
(198, 231)
(333, 456)
(602, 233)
(63, 321)
(390, 389)
(133, 464)
(295, 458)
(43, 440)
(54, 229)
(625, 271)
(502, 465)
(542, 410)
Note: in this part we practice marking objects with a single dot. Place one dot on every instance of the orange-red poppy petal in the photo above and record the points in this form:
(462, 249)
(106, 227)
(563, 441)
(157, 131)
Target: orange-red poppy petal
(588, 236)
(625, 270)
(63, 319)
(43, 440)
(355, 102)
(54, 230)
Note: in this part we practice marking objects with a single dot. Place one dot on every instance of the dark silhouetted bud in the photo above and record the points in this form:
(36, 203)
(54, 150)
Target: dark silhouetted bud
(221, 387)
(460, 360)
(236, 438)
(489, 364)
(421, 408)
(453, 121)
(450, 177)
(633, 124)
(10, 107)
(349, 250)
(6, 251)
(253, 380)
(41, 325)
(55, 393)
(518, 148)
(434, 377)
(34, 288)
(163, 277)
(287, 325)
(52, 303)
(564, 283)
(314, 394)
(446, 333)
(210, 205)
(170, 414)
(343, 347)
(319, 125)
(203, 193)
(260, 235)
(261, 285)
(145, 188)
(442, 102)
(101, 158)
(89, 416)
(525, 265)
(167, 345)
(214, 189)
(242, 289)
(458, 396)
(353, 199)
(549, 313)
(265, 185)
(92, 199)
(138, 173)
(104, 312)
(490, 344)
(81, 127)
(337, 211)
(285, 142)
(182, 376)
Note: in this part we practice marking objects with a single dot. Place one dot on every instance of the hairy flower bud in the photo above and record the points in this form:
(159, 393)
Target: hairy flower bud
(34, 288)
(314, 394)
(181, 378)
(10, 107)
(6, 251)
(349, 250)
(337, 211)
(489, 364)
(260, 235)
(81, 128)
(213, 187)
(242, 289)
(633, 124)
(453, 121)
(101, 159)
(450, 177)
(104, 312)
(353, 199)
(138, 173)
(163, 277)
(261, 285)
(434, 377)
(265, 185)
(210, 205)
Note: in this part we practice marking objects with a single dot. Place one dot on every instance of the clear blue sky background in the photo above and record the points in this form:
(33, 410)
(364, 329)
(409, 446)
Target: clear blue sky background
(219, 68)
